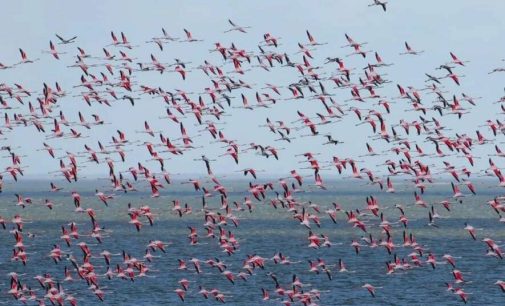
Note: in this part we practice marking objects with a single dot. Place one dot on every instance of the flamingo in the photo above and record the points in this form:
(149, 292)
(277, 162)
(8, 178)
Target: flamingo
(410, 50)
(236, 27)
(64, 41)
(53, 51)
(25, 59)
(370, 288)
(379, 3)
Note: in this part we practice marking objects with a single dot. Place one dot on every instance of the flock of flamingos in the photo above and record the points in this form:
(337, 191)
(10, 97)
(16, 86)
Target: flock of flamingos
(108, 78)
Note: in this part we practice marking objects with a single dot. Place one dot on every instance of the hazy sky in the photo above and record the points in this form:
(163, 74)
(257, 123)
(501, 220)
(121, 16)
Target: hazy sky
(471, 29)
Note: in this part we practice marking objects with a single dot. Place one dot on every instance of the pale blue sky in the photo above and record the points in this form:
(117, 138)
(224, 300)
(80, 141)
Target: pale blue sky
(471, 29)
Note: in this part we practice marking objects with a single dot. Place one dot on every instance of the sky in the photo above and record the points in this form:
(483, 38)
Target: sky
(471, 29)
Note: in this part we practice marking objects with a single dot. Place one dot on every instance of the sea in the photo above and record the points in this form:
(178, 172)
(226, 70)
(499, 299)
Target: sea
(264, 231)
